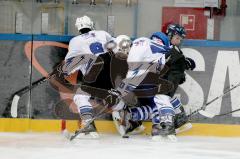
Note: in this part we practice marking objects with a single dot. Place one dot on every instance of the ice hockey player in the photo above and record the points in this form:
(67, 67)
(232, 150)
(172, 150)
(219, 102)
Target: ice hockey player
(148, 56)
(177, 64)
(85, 54)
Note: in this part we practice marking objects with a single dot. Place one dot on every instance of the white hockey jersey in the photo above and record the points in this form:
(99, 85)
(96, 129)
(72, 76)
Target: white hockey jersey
(145, 56)
(86, 47)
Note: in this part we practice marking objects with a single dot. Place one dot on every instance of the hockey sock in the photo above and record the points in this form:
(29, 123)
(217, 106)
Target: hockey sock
(176, 103)
(155, 115)
(141, 113)
(86, 113)
(166, 114)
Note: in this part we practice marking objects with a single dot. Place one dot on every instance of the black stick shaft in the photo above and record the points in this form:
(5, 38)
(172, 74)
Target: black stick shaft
(205, 105)
(224, 93)
(34, 84)
(236, 110)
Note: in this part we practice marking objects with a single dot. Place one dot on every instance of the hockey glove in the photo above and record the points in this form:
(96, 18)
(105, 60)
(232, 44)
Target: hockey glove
(113, 98)
(190, 63)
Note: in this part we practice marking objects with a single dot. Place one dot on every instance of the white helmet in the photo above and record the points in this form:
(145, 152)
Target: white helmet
(84, 22)
(123, 45)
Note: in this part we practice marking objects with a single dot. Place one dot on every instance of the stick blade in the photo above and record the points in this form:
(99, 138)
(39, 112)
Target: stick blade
(206, 114)
(184, 128)
(14, 106)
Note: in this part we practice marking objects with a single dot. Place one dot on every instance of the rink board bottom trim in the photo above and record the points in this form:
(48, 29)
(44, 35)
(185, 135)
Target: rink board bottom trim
(36, 125)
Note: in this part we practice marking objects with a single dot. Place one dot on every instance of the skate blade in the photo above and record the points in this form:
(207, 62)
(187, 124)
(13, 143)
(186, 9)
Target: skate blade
(184, 128)
(168, 138)
(91, 135)
(117, 122)
(137, 131)
(172, 138)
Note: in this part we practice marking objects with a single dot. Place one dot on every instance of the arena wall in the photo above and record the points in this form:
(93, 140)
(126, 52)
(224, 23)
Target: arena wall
(23, 60)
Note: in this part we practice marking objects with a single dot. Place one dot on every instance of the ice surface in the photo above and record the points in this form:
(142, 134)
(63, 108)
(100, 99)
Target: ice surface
(111, 146)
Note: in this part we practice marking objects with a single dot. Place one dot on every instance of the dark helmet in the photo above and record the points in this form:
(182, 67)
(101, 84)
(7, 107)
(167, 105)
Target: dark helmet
(161, 36)
(175, 29)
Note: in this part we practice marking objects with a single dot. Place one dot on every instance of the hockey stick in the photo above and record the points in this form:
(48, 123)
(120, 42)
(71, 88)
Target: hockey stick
(211, 115)
(207, 114)
(95, 92)
(16, 96)
(81, 130)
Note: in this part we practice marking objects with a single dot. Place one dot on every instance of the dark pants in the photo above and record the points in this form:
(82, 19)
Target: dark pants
(176, 79)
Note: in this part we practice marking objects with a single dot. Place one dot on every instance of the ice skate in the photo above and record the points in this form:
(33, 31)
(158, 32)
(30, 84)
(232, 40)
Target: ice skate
(180, 119)
(164, 132)
(121, 121)
(135, 127)
(124, 124)
(88, 132)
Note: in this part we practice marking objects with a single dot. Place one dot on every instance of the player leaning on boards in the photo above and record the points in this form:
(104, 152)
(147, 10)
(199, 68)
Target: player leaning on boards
(177, 64)
(84, 56)
(146, 56)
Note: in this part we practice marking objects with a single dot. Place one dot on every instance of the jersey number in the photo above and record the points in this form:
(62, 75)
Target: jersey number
(96, 48)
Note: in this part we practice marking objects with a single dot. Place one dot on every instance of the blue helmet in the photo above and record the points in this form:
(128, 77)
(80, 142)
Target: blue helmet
(175, 29)
(161, 36)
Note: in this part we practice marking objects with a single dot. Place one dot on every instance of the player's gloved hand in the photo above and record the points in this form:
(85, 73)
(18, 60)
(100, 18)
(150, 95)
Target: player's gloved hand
(190, 63)
(113, 98)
